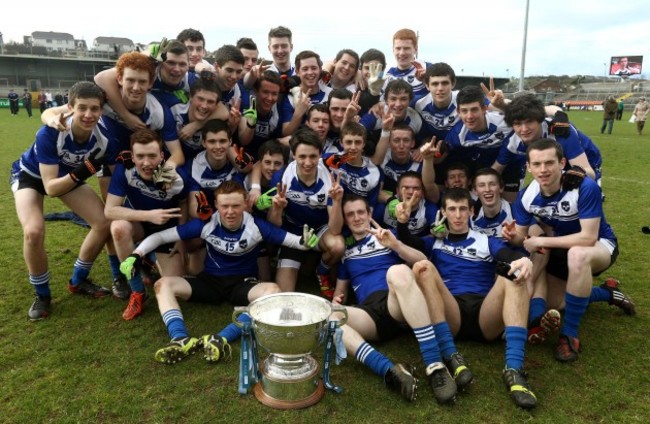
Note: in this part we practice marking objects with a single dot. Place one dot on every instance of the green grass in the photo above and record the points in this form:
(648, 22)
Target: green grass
(85, 364)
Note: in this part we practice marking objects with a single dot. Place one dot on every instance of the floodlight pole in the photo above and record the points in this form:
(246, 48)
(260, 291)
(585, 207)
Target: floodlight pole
(523, 50)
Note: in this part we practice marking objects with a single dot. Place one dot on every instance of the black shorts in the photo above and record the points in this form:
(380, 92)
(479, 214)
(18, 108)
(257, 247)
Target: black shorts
(376, 305)
(470, 309)
(206, 288)
(558, 263)
(19, 179)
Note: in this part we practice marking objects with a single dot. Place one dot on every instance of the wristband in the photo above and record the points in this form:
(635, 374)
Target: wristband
(256, 187)
(385, 133)
(250, 126)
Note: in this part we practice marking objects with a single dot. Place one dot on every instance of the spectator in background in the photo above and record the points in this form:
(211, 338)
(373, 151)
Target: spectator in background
(58, 99)
(27, 102)
(609, 112)
(641, 114)
(48, 99)
(13, 102)
(42, 101)
(619, 110)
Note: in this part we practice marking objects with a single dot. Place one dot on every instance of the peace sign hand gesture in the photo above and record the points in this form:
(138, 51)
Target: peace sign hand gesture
(336, 190)
(280, 199)
(384, 236)
(496, 97)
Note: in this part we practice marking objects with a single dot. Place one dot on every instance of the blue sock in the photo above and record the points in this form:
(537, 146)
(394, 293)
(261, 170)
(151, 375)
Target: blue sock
(175, 323)
(81, 271)
(445, 339)
(232, 332)
(537, 309)
(378, 363)
(136, 283)
(323, 268)
(426, 337)
(41, 284)
(515, 347)
(114, 263)
(599, 294)
(573, 311)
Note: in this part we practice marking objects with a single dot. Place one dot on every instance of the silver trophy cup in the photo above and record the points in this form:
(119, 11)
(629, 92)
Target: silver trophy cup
(289, 326)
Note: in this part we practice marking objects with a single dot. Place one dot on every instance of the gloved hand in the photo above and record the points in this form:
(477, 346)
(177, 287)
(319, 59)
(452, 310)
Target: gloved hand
(265, 201)
(203, 209)
(573, 178)
(560, 126)
(243, 159)
(289, 82)
(376, 79)
(439, 229)
(392, 206)
(158, 51)
(131, 265)
(250, 114)
(308, 239)
(87, 168)
(125, 157)
(164, 176)
(335, 161)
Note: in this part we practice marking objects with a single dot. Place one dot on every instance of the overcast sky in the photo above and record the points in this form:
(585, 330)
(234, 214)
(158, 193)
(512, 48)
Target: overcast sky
(572, 37)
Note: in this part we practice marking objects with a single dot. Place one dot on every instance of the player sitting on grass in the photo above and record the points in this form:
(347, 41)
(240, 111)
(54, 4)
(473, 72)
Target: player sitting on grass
(233, 239)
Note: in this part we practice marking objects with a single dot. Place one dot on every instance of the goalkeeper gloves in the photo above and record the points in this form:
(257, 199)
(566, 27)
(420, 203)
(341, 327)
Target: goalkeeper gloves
(308, 239)
(560, 126)
(250, 114)
(573, 178)
(203, 209)
(87, 168)
(131, 265)
(335, 161)
(376, 79)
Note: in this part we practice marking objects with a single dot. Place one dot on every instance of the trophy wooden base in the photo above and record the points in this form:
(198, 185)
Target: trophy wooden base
(272, 402)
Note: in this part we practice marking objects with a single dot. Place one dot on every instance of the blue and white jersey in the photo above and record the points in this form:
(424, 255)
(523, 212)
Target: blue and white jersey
(468, 265)
(291, 72)
(393, 170)
(412, 119)
(333, 144)
(53, 147)
(481, 148)
(267, 127)
(352, 87)
(143, 195)
(306, 204)
(513, 149)
(203, 177)
(154, 115)
(191, 147)
(169, 95)
(438, 122)
(492, 226)
(365, 264)
(233, 94)
(231, 253)
(419, 88)
(364, 180)
(563, 210)
(287, 107)
(419, 223)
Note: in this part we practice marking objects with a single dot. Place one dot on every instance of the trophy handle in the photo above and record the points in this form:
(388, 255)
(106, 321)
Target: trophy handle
(237, 312)
(343, 310)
